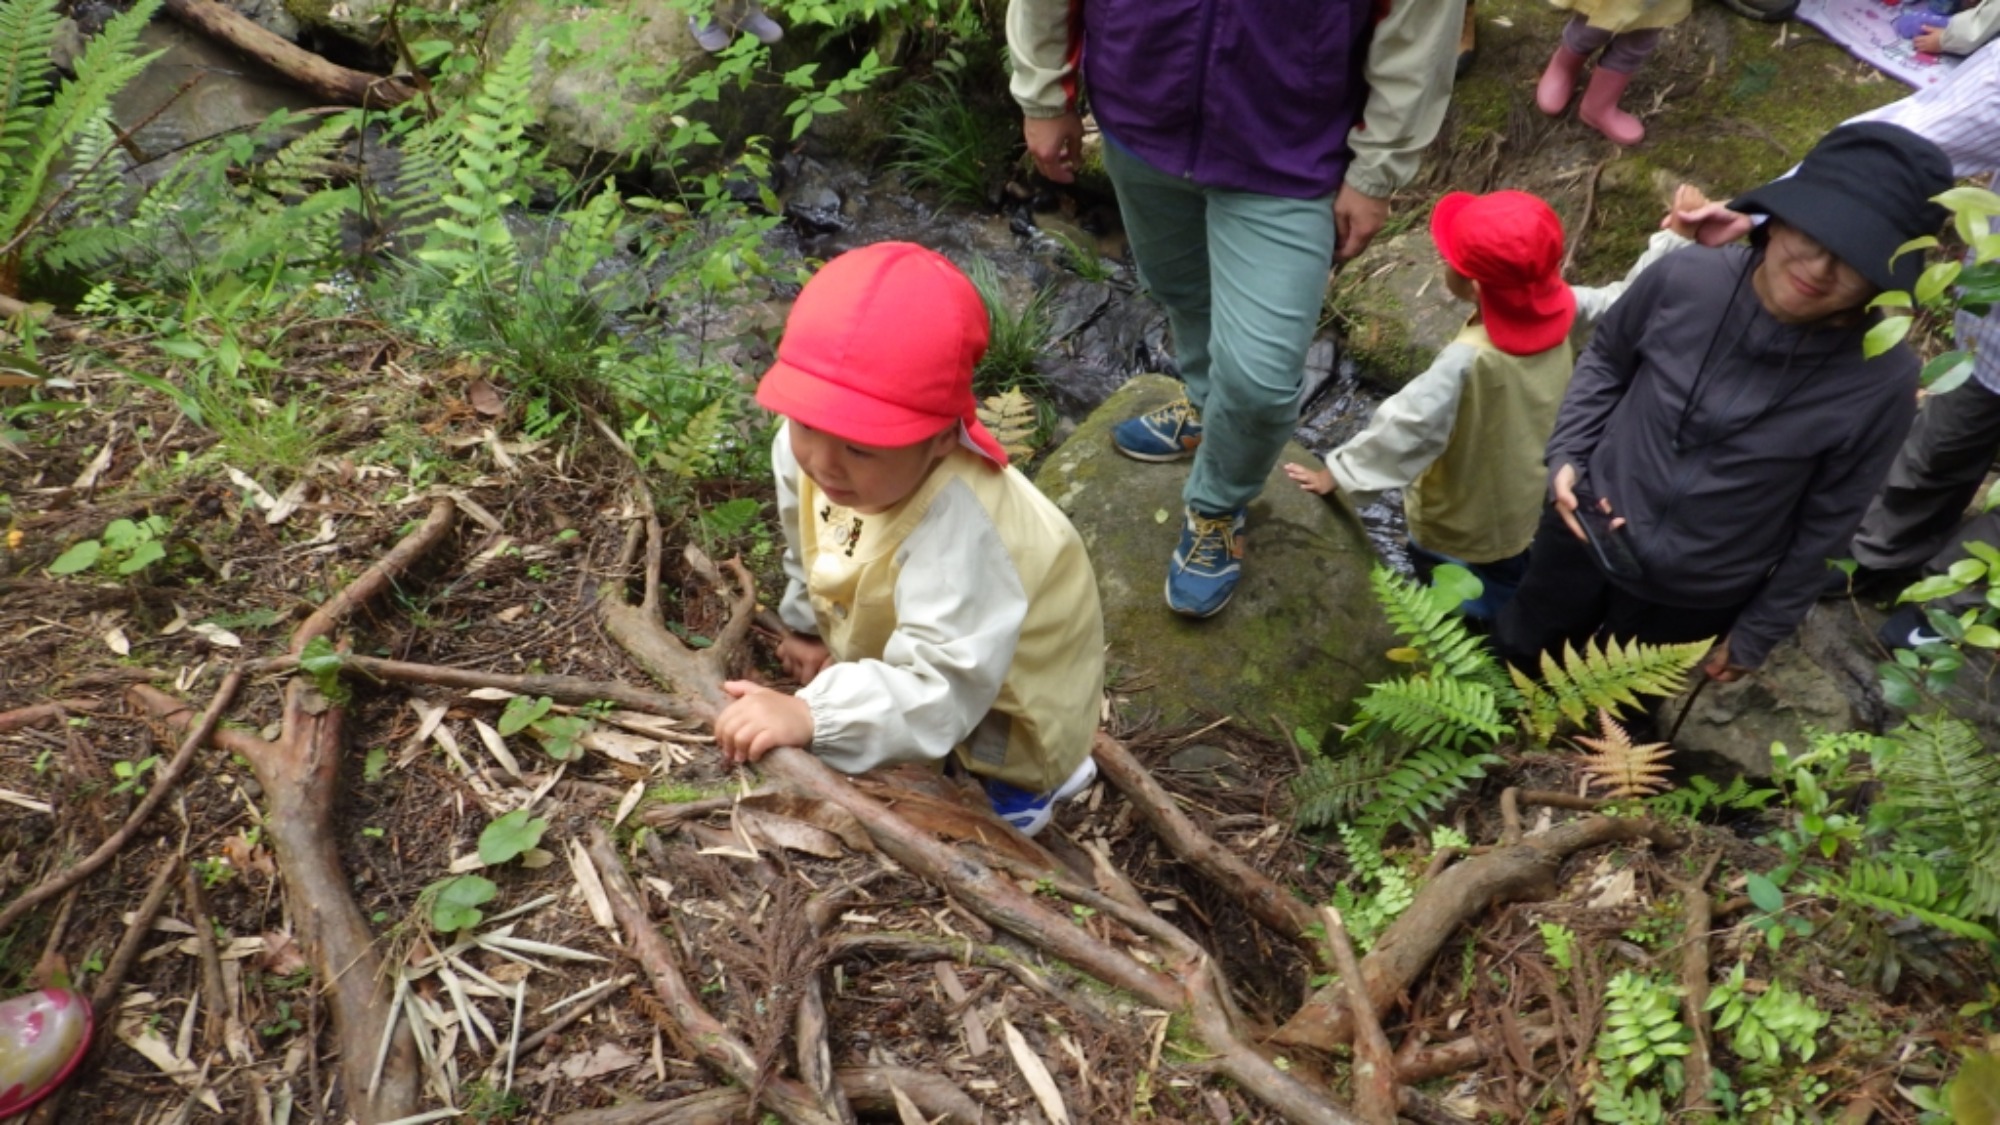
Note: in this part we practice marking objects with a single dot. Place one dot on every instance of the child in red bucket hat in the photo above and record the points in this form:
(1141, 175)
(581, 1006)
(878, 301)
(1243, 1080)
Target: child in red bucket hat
(940, 605)
(1464, 439)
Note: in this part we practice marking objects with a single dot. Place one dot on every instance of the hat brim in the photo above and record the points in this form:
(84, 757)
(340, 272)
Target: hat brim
(1443, 217)
(844, 412)
(1859, 236)
(1527, 321)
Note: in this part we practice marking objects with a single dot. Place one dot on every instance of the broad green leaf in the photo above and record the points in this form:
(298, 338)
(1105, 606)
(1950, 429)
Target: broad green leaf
(1967, 571)
(559, 735)
(1885, 335)
(1921, 242)
(458, 900)
(1932, 588)
(521, 712)
(1936, 280)
(1764, 893)
(1982, 636)
(1455, 584)
(142, 556)
(510, 836)
(1951, 375)
(83, 556)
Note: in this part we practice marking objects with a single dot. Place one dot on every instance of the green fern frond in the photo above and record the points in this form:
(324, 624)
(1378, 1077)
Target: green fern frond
(1944, 784)
(27, 35)
(1419, 785)
(1335, 785)
(105, 67)
(1904, 886)
(1432, 711)
(301, 167)
(1610, 676)
(1434, 628)
(690, 453)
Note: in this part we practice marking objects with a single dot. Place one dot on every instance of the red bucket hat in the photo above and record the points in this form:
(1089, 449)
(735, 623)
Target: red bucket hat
(1511, 243)
(879, 349)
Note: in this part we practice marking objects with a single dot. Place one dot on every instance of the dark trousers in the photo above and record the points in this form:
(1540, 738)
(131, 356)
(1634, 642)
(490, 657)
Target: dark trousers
(1565, 598)
(1934, 477)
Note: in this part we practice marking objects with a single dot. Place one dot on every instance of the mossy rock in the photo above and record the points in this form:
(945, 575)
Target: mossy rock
(1393, 309)
(1303, 636)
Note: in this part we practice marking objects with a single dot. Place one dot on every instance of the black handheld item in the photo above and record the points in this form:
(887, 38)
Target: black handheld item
(1607, 543)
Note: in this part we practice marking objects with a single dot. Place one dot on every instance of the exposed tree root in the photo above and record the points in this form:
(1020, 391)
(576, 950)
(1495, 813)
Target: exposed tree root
(163, 784)
(1374, 1063)
(326, 80)
(1536, 1032)
(1266, 900)
(1697, 914)
(1522, 872)
(872, 1089)
(300, 777)
(39, 713)
(786, 1097)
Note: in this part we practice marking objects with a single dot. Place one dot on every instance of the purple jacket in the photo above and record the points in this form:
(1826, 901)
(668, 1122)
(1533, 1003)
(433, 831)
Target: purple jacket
(1247, 95)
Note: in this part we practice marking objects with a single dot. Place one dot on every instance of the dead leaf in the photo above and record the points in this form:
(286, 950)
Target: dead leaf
(216, 635)
(823, 815)
(94, 471)
(486, 399)
(1614, 890)
(256, 493)
(592, 887)
(629, 802)
(784, 832)
(247, 857)
(117, 642)
(282, 956)
(1037, 1073)
(497, 746)
(291, 501)
(608, 1058)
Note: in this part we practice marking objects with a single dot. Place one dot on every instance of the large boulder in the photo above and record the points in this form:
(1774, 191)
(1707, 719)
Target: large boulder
(1303, 636)
(1394, 308)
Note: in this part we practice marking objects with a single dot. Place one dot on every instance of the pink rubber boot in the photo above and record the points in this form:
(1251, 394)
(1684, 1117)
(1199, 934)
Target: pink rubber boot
(1599, 108)
(43, 1036)
(1558, 81)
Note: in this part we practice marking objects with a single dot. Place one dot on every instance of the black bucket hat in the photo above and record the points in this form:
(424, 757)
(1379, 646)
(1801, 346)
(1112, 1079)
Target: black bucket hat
(1862, 191)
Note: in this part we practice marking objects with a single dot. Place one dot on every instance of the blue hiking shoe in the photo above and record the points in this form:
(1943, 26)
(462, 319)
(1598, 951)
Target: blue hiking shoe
(1167, 434)
(1031, 812)
(1206, 565)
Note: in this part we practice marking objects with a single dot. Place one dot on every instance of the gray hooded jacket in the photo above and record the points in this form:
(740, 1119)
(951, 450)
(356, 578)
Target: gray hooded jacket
(1742, 451)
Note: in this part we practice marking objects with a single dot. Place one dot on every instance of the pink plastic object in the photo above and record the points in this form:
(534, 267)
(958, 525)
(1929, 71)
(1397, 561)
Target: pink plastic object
(43, 1036)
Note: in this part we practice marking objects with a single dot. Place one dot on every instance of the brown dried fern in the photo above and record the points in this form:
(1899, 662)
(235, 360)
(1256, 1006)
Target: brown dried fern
(1620, 767)
(1012, 419)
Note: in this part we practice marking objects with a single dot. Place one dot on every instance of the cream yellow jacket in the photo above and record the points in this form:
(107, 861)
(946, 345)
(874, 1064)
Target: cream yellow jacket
(1629, 15)
(964, 620)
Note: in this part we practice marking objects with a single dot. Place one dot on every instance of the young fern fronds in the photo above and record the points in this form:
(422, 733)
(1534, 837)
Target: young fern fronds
(1431, 625)
(1904, 886)
(690, 453)
(35, 134)
(27, 33)
(1420, 785)
(1334, 787)
(1610, 676)
(495, 167)
(1429, 711)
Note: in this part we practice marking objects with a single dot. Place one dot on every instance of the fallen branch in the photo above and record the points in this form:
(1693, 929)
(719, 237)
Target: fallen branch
(39, 713)
(1450, 1058)
(1264, 899)
(162, 785)
(1523, 872)
(1697, 915)
(326, 80)
(387, 569)
(1374, 1075)
(786, 1097)
(576, 1012)
(870, 1088)
(562, 689)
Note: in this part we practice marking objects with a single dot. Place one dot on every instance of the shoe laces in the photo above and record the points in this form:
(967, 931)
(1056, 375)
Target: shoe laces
(1213, 539)
(1178, 414)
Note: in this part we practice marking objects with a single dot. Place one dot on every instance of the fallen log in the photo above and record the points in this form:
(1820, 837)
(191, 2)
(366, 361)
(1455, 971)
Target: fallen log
(1523, 872)
(872, 1089)
(326, 80)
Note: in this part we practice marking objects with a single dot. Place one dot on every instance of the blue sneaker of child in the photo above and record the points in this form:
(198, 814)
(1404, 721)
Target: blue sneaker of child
(1207, 564)
(1031, 812)
(1169, 433)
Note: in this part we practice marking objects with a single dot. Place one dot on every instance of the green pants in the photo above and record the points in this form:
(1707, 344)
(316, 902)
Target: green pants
(1242, 277)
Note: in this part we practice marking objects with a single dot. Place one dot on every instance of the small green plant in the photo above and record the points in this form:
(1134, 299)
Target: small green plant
(131, 775)
(125, 547)
(1015, 337)
(486, 1104)
(1639, 1048)
(285, 1023)
(214, 871)
(1086, 261)
(1765, 1026)
(510, 836)
(319, 661)
(454, 903)
(560, 735)
(1560, 941)
(947, 146)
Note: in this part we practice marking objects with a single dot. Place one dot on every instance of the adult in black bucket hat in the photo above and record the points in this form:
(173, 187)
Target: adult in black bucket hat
(1723, 430)
(1862, 191)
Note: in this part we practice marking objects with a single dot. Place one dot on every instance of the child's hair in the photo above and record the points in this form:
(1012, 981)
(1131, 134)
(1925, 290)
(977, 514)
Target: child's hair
(879, 350)
(1510, 243)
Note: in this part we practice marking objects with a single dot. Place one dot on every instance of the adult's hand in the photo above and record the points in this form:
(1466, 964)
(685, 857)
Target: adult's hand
(1563, 487)
(1357, 218)
(1717, 667)
(1056, 143)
